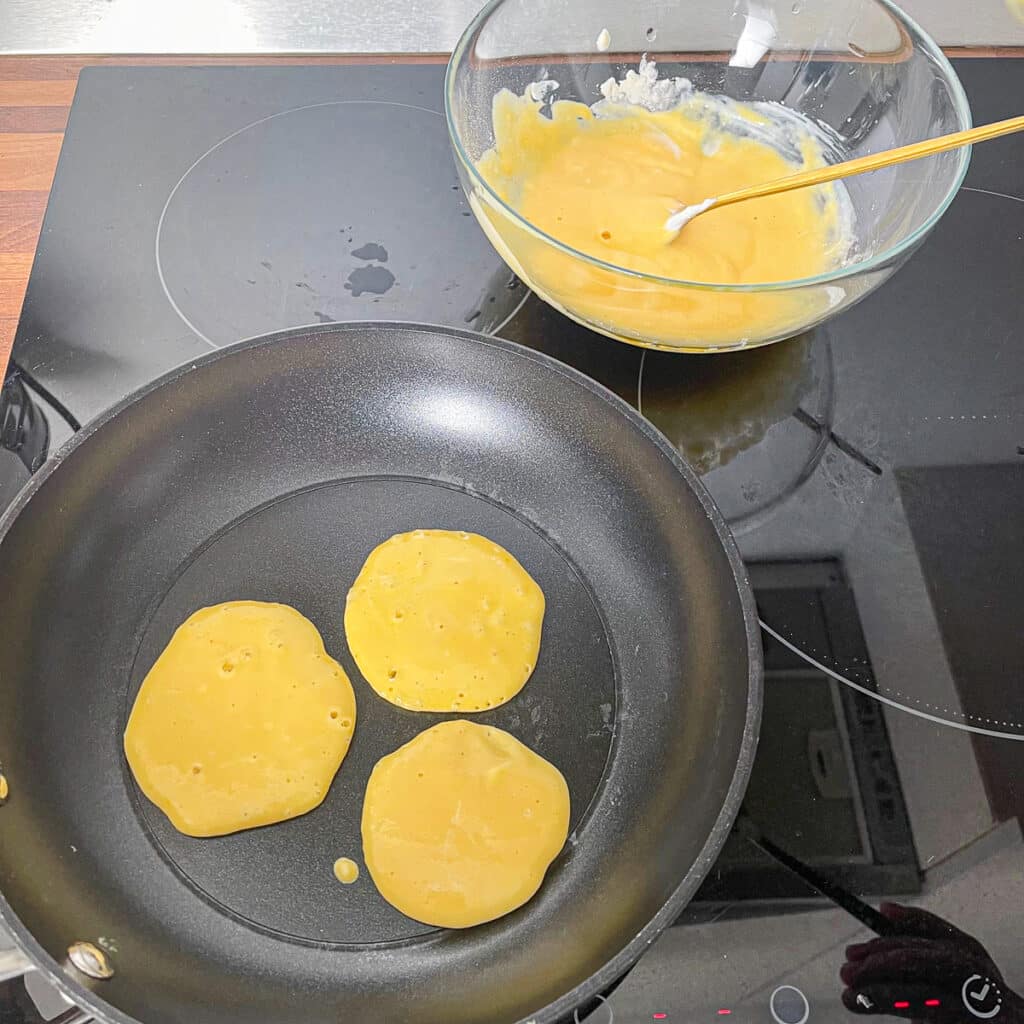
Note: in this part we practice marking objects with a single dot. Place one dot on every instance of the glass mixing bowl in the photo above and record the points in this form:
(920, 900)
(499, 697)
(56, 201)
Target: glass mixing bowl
(860, 69)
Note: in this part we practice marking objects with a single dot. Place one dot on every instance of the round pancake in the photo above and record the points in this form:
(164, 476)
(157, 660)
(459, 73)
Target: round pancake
(243, 720)
(444, 621)
(461, 823)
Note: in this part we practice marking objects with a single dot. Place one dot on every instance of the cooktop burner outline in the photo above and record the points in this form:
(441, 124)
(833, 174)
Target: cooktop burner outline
(883, 699)
(359, 281)
(989, 192)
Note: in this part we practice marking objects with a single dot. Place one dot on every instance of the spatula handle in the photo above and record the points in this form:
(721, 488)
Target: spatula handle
(863, 164)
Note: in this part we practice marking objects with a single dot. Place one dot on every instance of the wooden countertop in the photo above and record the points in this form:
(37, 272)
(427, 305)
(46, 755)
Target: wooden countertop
(35, 98)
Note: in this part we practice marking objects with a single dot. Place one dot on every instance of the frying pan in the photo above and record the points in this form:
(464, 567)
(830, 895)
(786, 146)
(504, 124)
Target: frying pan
(268, 471)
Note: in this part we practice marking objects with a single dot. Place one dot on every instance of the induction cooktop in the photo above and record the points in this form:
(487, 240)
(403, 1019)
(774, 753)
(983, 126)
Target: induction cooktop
(872, 471)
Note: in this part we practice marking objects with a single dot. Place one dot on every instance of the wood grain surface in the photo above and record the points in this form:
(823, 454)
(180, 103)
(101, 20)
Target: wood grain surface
(35, 98)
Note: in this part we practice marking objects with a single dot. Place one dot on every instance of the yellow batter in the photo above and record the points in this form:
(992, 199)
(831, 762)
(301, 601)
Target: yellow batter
(460, 825)
(604, 183)
(346, 870)
(242, 721)
(444, 621)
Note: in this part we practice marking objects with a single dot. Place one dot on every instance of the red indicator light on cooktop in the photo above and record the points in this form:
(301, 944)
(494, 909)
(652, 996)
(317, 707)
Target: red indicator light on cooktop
(660, 1016)
(932, 1002)
(901, 1005)
(724, 1013)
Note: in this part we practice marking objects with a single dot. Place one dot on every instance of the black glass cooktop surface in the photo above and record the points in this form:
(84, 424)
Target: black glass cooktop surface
(872, 471)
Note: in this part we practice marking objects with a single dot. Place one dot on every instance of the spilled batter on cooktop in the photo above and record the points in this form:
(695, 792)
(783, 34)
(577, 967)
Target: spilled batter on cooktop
(242, 721)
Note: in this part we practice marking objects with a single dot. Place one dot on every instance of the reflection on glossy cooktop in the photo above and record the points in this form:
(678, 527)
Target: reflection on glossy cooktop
(213, 204)
(869, 469)
(314, 215)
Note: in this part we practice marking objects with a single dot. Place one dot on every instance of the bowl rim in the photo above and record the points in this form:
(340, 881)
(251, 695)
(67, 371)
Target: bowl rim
(932, 50)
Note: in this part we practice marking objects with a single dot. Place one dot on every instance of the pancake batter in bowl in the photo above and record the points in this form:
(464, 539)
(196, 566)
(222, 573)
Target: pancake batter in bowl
(603, 180)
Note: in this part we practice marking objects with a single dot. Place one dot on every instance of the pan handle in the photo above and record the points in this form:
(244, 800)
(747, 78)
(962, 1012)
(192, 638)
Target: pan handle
(73, 1016)
(23, 429)
(853, 905)
(14, 964)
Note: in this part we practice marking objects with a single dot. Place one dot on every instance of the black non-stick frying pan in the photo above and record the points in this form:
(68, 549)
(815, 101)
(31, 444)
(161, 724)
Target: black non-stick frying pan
(269, 471)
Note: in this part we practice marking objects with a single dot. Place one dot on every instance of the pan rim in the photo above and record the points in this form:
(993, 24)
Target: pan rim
(619, 964)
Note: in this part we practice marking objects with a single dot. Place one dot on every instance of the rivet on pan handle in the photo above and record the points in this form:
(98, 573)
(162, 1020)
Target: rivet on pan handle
(92, 961)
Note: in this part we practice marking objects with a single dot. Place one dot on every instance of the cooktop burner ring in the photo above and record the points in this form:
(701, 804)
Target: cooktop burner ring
(278, 237)
(892, 702)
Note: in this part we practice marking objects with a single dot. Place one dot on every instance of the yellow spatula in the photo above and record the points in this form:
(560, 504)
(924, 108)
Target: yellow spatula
(847, 169)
